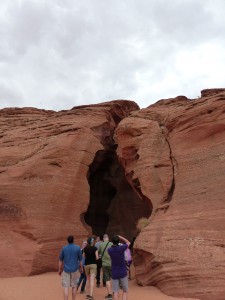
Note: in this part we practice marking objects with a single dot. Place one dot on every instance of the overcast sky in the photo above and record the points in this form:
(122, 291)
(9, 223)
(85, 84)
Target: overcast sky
(56, 54)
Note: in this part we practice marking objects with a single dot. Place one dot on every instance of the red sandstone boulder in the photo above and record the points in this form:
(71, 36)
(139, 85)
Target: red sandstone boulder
(44, 192)
(173, 153)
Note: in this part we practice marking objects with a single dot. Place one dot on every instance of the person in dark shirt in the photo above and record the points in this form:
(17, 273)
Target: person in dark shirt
(70, 260)
(91, 258)
(119, 270)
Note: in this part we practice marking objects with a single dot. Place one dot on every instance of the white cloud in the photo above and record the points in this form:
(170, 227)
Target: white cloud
(57, 54)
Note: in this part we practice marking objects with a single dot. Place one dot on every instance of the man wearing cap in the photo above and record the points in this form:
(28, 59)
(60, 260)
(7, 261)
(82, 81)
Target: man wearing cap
(106, 264)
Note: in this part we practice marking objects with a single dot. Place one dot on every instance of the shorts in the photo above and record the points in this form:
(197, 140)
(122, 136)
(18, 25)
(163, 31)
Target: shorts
(116, 284)
(107, 275)
(70, 279)
(91, 269)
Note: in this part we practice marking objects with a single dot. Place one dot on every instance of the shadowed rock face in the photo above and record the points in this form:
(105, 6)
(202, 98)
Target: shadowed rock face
(114, 206)
(179, 161)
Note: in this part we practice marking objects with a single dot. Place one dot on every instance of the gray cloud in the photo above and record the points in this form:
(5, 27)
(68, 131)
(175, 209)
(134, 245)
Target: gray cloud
(9, 95)
(57, 54)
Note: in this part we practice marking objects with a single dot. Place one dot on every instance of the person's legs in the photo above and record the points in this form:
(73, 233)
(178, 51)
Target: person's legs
(66, 293)
(107, 278)
(124, 283)
(73, 283)
(116, 296)
(103, 283)
(84, 282)
(115, 288)
(92, 283)
(66, 284)
(87, 270)
(108, 286)
(129, 269)
(124, 296)
(99, 265)
(74, 292)
(80, 280)
(93, 269)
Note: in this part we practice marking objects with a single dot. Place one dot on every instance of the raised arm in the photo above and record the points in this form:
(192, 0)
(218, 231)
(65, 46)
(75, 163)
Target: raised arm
(123, 239)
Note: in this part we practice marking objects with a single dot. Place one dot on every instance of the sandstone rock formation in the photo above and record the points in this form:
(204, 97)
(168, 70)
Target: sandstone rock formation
(68, 173)
(173, 153)
(44, 191)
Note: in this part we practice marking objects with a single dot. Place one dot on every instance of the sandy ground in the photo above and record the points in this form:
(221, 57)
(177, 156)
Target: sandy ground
(48, 287)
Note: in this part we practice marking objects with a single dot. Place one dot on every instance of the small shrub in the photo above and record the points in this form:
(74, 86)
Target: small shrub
(141, 223)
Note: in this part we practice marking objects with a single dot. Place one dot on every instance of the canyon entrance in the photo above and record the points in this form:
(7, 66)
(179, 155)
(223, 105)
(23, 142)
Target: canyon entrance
(115, 207)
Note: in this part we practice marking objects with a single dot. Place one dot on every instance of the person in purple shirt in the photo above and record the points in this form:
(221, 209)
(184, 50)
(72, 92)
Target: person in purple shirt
(119, 270)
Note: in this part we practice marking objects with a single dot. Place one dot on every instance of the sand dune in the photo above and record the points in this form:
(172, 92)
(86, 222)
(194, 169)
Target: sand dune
(48, 287)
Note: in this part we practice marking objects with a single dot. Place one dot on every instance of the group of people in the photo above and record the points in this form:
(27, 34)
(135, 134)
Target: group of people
(76, 264)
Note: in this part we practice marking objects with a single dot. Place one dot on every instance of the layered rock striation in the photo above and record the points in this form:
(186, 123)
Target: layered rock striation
(44, 191)
(101, 167)
(173, 153)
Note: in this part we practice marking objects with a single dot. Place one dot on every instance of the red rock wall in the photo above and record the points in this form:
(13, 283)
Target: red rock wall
(174, 154)
(44, 192)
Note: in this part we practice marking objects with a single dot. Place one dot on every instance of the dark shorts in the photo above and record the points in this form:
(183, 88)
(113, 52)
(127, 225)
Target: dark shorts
(107, 275)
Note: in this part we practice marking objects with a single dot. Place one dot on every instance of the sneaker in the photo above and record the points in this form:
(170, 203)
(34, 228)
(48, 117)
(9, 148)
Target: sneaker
(89, 297)
(98, 285)
(82, 292)
(109, 296)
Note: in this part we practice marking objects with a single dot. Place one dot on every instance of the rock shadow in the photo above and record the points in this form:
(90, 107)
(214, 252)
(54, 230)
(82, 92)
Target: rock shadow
(114, 206)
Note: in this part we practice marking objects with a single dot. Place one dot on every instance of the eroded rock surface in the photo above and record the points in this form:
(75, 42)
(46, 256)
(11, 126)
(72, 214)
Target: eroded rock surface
(173, 153)
(44, 191)
(58, 169)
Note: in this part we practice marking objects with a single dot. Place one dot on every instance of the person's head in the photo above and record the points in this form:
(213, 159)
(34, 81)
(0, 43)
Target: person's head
(115, 240)
(105, 237)
(84, 244)
(70, 239)
(97, 239)
(90, 241)
(101, 237)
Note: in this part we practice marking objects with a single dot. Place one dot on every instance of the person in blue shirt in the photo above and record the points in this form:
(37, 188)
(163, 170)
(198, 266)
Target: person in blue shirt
(70, 263)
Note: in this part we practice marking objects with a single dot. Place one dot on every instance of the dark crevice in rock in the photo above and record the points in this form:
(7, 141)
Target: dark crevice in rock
(101, 192)
(114, 206)
(135, 183)
(172, 187)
